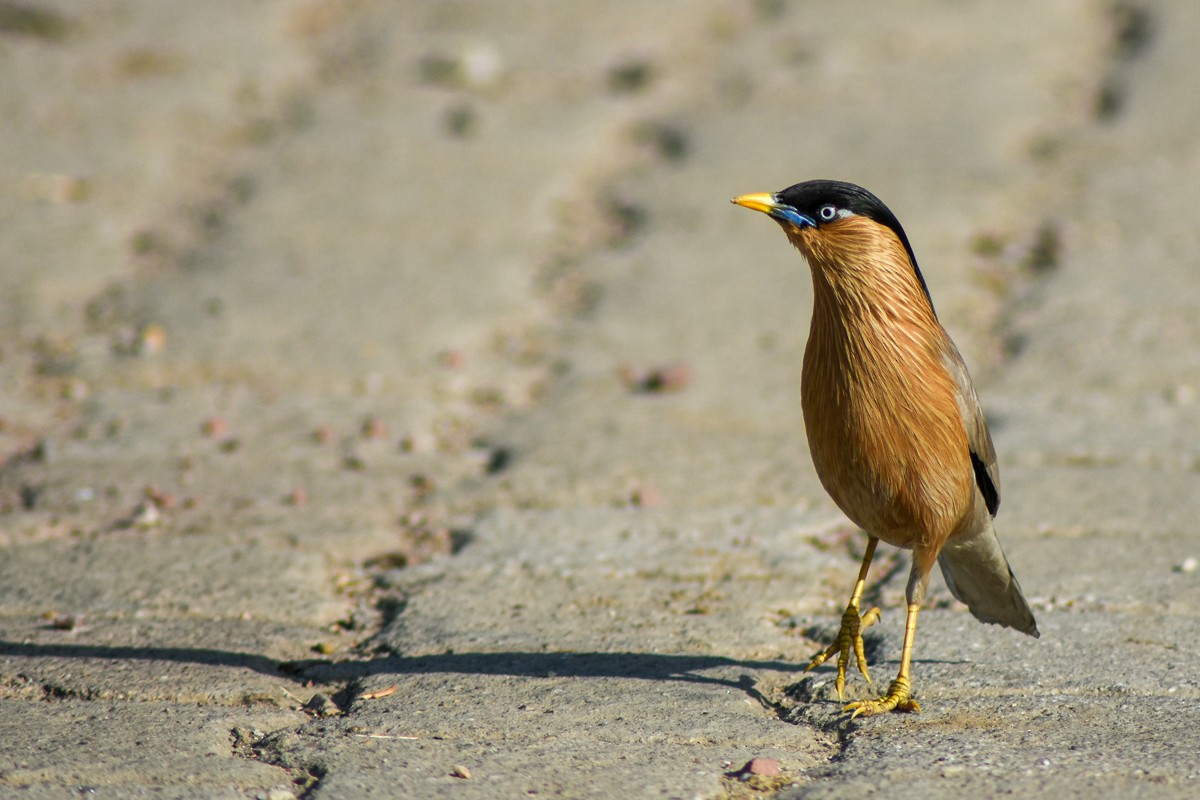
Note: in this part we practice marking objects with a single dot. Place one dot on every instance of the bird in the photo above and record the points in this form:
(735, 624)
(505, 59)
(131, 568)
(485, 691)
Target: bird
(894, 425)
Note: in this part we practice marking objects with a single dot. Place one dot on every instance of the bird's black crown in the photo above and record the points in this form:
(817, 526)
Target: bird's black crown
(810, 196)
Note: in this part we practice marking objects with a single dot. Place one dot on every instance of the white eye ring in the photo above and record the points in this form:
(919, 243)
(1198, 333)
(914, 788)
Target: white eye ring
(828, 213)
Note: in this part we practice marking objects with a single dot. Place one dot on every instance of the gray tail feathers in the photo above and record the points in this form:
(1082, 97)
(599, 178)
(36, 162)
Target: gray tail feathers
(978, 574)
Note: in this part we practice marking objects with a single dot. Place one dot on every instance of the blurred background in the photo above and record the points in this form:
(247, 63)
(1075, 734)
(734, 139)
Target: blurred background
(403, 211)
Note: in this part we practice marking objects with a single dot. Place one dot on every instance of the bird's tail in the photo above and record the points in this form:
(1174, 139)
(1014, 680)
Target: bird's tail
(978, 574)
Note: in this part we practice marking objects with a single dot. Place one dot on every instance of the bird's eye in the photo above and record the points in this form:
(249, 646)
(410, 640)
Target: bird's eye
(828, 213)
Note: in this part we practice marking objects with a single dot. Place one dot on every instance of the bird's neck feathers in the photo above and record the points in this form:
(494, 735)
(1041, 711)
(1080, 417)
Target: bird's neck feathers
(863, 277)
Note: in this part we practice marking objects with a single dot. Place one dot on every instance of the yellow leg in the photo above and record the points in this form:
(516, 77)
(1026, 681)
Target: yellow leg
(898, 694)
(850, 634)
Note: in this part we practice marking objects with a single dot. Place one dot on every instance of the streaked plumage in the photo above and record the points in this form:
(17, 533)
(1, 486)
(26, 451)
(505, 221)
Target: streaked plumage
(895, 430)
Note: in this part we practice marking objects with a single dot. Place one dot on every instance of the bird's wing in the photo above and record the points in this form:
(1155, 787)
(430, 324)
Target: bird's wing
(983, 454)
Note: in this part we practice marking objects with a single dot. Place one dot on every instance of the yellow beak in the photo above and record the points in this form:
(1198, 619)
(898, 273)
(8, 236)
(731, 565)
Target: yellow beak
(762, 201)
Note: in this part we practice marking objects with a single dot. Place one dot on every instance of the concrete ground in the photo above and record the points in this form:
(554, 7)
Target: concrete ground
(392, 404)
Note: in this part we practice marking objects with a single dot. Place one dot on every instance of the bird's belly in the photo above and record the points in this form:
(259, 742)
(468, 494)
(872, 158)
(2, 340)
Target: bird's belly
(901, 472)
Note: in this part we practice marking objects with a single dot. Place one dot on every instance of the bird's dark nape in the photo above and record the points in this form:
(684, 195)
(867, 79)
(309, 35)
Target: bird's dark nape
(809, 196)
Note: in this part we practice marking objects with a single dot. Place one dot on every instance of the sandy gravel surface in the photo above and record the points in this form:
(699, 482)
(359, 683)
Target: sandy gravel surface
(392, 405)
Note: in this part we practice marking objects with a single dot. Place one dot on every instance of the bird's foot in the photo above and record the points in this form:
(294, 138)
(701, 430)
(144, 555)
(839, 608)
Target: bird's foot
(897, 699)
(849, 639)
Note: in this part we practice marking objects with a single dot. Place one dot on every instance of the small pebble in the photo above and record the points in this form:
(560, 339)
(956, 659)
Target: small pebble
(163, 501)
(152, 339)
(421, 484)
(322, 706)
(214, 427)
(43, 450)
(66, 622)
(421, 442)
(479, 66)
(1181, 395)
(498, 459)
(30, 496)
(374, 428)
(630, 76)
(76, 389)
(667, 378)
(452, 359)
(646, 497)
(1188, 565)
(460, 771)
(146, 515)
(761, 766)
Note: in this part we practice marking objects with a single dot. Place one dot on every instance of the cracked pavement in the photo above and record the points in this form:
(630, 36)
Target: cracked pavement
(391, 403)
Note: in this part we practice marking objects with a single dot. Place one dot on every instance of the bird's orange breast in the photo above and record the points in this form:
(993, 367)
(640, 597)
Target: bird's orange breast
(880, 409)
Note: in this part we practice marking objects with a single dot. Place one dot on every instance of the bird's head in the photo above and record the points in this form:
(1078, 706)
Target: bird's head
(836, 223)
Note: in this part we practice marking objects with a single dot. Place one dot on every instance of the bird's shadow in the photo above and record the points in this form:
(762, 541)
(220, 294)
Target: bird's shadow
(636, 666)
(630, 665)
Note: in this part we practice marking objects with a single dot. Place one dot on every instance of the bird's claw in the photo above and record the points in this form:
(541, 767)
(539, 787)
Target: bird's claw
(849, 639)
(898, 698)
